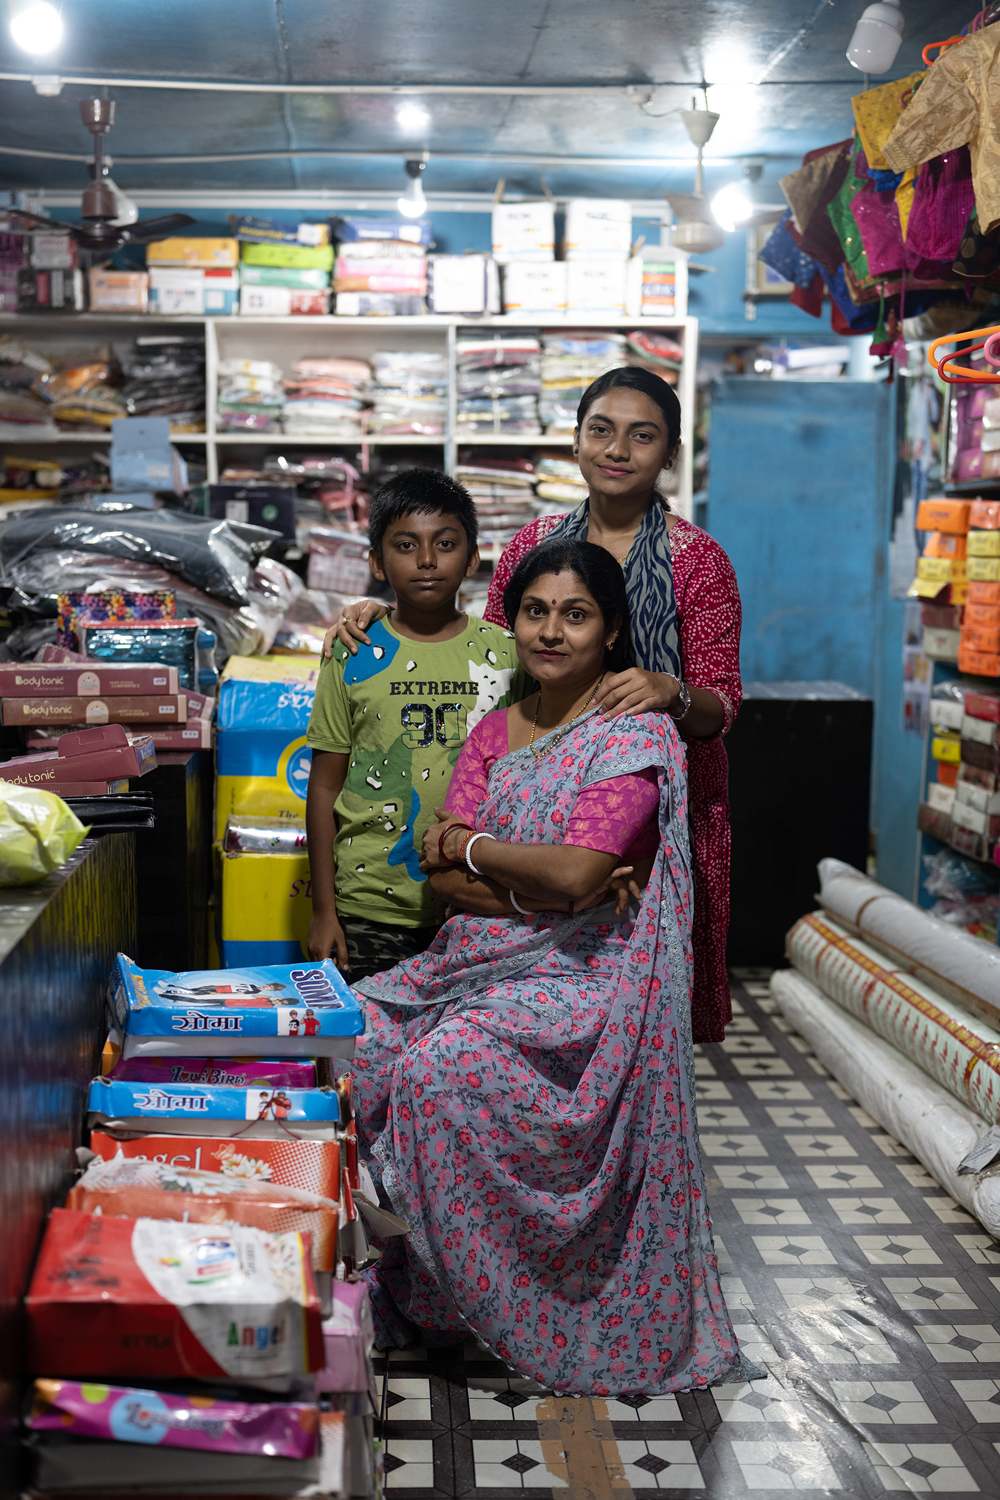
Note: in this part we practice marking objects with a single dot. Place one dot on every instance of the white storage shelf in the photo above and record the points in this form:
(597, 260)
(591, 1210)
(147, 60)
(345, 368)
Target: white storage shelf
(284, 340)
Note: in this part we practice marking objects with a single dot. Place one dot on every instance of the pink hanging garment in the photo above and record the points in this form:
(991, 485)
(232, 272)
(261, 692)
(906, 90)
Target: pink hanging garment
(943, 199)
(877, 217)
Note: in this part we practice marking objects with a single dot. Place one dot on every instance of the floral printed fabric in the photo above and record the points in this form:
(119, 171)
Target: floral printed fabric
(709, 614)
(526, 1089)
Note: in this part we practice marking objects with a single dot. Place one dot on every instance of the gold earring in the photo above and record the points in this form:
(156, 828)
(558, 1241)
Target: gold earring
(611, 643)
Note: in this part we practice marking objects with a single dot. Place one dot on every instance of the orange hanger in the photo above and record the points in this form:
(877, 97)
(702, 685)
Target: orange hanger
(952, 41)
(963, 374)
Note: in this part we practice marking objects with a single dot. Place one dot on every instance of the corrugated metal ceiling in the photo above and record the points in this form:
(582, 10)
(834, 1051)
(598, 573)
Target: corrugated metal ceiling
(801, 102)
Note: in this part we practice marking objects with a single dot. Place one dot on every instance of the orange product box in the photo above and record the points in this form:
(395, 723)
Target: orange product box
(943, 515)
(978, 663)
(947, 773)
(980, 638)
(981, 614)
(985, 515)
(313, 1166)
(983, 591)
(943, 544)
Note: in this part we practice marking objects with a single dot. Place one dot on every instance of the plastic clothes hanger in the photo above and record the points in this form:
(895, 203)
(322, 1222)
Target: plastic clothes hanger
(989, 342)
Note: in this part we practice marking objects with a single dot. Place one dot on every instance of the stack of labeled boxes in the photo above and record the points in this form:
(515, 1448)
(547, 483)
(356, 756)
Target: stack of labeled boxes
(53, 699)
(979, 651)
(193, 276)
(194, 1291)
(941, 583)
(284, 268)
(381, 267)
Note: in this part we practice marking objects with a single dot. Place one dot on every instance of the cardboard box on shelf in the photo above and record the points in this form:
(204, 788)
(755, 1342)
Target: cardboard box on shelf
(194, 291)
(596, 287)
(118, 291)
(44, 680)
(523, 232)
(597, 227)
(940, 514)
(976, 663)
(534, 289)
(52, 252)
(464, 284)
(941, 645)
(984, 731)
(984, 591)
(983, 569)
(200, 252)
(408, 231)
(983, 704)
(985, 638)
(947, 772)
(983, 544)
(985, 514)
(299, 279)
(161, 709)
(283, 302)
(946, 747)
(941, 797)
(945, 544)
(258, 230)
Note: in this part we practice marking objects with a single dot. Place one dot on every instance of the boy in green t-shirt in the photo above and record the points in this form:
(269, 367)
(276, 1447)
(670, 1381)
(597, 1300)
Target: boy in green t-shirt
(388, 723)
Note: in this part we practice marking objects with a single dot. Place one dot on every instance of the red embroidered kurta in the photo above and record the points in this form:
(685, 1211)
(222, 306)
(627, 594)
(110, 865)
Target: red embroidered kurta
(709, 616)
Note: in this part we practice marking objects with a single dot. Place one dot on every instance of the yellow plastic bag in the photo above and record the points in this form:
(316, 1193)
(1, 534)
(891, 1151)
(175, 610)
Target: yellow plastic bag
(38, 833)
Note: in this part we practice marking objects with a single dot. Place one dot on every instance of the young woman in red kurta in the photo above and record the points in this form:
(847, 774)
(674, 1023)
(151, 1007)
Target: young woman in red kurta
(686, 615)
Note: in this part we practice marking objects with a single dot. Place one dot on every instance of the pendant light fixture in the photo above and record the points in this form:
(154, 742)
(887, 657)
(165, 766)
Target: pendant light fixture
(876, 38)
(413, 203)
(36, 26)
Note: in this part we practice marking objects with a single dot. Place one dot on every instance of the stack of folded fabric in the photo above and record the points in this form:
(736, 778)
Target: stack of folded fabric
(409, 393)
(165, 377)
(498, 384)
(381, 267)
(656, 351)
(20, 368)
(326, 396)
(570, 362)
(503, 493)
(560, 484)
(207, 1243)
(251, 396)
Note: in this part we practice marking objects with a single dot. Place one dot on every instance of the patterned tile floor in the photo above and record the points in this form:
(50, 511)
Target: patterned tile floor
(870, 1297)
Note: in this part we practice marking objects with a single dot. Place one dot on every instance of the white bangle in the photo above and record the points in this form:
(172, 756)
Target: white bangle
(517, 907)
(468, 850)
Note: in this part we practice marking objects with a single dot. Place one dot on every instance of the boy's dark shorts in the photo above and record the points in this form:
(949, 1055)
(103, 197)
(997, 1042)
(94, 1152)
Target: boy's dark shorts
(373, 947)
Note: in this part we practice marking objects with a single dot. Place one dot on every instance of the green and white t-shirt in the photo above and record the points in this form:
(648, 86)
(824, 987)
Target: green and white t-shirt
(402, 709)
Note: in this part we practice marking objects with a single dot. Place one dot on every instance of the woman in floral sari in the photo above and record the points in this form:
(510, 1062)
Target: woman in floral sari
(525, 1087)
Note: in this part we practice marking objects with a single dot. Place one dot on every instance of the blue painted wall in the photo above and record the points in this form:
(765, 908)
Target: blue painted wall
(798, 496)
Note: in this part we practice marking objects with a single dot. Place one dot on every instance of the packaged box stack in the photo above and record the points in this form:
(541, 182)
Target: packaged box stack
(193, 276)
(974, 436)
(326, 397)
(498, 384)
(468, 285)
(662, 283)
(524, 245)
(251, 396)
(381, 267)
(294, 279)
(979, 650)
(263, 766)
(976, 814)
(570, 362)
(941, 576)
(165, 377)
(409, 393)
(502, 490)
(86, 763)
(118, 291)
(596, 243)
(559, 484)
(220, 1198)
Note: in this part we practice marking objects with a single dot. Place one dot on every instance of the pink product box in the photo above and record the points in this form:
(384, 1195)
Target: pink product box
(285, 1429)
(200, 705)
(68, 680)
(196, 734)
(57, 653)
(348, 1335)
(242, 1072)
(972, 401)
(101, 754)
(970, 435)
(970, 464)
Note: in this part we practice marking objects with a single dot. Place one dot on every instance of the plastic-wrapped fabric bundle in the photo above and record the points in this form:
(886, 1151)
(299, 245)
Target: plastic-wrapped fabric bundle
(165, 377)
(326, 396)
(962, 967)
(216, 556)
(409, 393)
(915, 1110)
(571, 362)
(244, 630)
(251, 396)
(961, 1052)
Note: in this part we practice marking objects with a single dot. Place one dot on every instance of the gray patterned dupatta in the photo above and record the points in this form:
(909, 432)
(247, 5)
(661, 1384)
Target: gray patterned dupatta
(649, 580)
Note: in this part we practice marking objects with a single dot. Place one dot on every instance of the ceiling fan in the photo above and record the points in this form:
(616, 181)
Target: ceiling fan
(108, 216)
